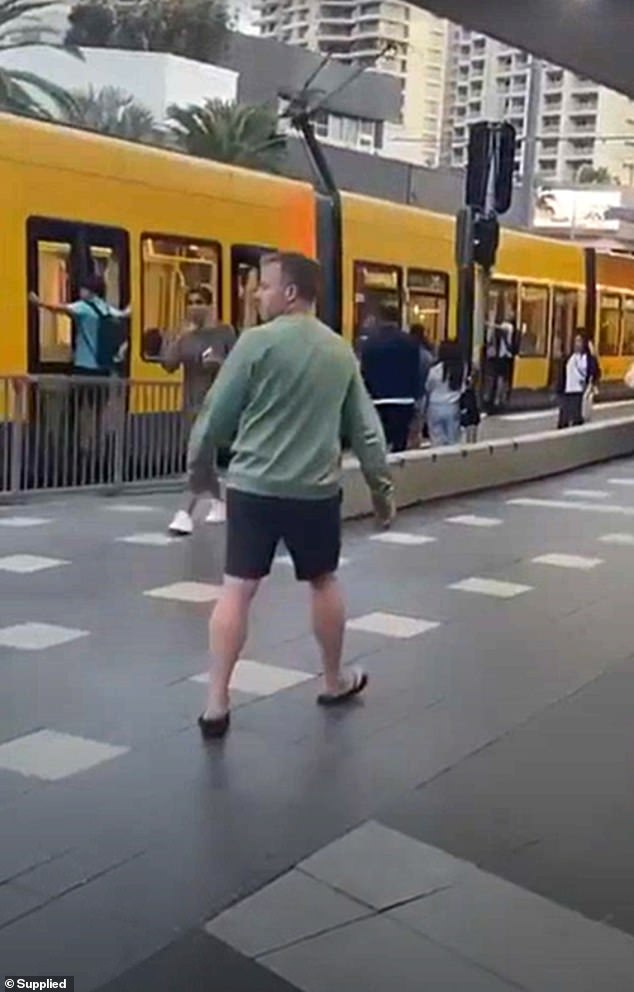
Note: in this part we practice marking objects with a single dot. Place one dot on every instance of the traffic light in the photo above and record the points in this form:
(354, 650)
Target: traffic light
(491, 160)
(505, 168)
(486, 240)
(478, 167)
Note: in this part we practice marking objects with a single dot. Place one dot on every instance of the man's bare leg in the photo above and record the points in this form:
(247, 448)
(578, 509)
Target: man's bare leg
(228, 629)
(329, 620)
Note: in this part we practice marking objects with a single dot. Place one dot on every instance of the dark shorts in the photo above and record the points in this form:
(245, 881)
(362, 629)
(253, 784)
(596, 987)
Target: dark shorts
(310, 529)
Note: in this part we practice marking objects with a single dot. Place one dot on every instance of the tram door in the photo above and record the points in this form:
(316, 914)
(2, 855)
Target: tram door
(59, 255)
(565, 323)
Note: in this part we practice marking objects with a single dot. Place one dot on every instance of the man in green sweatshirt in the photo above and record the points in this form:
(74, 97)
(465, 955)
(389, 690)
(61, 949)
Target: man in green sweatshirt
(286, 396)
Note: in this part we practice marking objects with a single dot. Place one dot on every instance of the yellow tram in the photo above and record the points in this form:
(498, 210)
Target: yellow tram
(155, 222)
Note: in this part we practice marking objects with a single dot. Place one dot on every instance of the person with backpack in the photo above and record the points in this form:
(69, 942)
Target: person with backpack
(98, 336)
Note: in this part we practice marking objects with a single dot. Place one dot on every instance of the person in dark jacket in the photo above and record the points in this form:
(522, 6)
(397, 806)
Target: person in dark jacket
(391, 369)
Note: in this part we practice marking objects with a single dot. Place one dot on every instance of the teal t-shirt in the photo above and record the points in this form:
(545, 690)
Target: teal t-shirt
(87, 330)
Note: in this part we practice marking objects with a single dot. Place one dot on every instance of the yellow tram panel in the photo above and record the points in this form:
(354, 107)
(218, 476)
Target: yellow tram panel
(403, 254)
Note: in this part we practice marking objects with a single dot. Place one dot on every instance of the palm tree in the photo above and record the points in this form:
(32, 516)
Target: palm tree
(23, 92)
(115, 112)
(229, 132)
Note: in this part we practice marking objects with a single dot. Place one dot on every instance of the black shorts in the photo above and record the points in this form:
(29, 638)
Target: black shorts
(310, 529)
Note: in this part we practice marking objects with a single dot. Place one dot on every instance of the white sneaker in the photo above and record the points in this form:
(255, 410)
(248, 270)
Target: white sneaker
(182, 524)
(217, 512)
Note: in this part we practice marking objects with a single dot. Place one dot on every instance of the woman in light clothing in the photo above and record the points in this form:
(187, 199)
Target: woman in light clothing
(443, 390)
(579, 373)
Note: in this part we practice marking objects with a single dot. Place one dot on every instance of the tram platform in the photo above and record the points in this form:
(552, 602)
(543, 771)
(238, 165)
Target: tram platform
(466, 826)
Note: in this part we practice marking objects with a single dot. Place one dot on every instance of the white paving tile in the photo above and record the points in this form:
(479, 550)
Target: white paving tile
(49, 755)
(587, 493)
(471, 520)
(38, 636)
(491, 587)
(257, 679)
(401, 538)
(568, 561)
(625, 540)
(131, 508)
(151, 539)
(25, 564)
(24, 521)
(391, 625)
(186, 592)
(570, 504)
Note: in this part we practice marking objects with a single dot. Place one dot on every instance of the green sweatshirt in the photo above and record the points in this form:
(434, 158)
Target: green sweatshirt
(286, 396)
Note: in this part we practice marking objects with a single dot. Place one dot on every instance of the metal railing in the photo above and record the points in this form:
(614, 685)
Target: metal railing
(72, 432)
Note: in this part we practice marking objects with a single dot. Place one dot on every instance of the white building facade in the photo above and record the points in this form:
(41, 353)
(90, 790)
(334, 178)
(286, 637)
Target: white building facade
(405, 42)
(563, 121)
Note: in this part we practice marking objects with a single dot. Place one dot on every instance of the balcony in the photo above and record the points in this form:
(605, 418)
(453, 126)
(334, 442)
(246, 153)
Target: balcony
(582, 114)
(327, 33)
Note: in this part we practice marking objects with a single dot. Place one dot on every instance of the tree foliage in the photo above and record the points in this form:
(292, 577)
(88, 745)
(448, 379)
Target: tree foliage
(589, 176)
(23, 92)
(195, 29)
(228, 132)
(114, 112)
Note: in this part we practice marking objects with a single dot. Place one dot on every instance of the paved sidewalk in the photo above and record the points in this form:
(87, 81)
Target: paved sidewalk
(492, 754)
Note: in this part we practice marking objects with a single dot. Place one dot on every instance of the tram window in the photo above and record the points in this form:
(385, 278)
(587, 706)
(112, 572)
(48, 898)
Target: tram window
(55, 331)
(565, 321)
(106, 263)
(609, 324)
(173, 266)
(534, 320)
(427, 302)
(628, 325)
(502, 308)
(245, 279)
(375, 286)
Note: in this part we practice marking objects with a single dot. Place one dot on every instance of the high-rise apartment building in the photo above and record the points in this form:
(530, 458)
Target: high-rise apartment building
(358, 33)
(562, 119)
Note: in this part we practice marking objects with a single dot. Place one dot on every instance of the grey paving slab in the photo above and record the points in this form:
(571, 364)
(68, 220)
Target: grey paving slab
(80, 866)
(377, 955)
(290, 909)
(16, 901)
(382, 867)
(196, 962)
(186, 830)
(72, 936)
(535, 943)
(549, 806)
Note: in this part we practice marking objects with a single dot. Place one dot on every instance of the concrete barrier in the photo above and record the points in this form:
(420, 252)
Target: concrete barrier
(420, 476)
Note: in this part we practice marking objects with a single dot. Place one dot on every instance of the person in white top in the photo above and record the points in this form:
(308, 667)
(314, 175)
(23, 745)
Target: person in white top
(443, 390)
(577, 376)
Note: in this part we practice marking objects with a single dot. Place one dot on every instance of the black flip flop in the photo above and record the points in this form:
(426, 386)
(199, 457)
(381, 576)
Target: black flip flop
(214, 729)
(358, 684)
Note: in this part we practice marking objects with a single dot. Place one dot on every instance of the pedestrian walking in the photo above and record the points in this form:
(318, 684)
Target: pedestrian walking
(391, 369)
(200, 349)
(286, 396)
(444, 390)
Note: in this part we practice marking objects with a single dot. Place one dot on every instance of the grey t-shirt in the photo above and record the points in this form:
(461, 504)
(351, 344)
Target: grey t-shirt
(188, 350)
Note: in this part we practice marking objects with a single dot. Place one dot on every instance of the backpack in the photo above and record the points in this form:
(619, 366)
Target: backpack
(109, 338)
